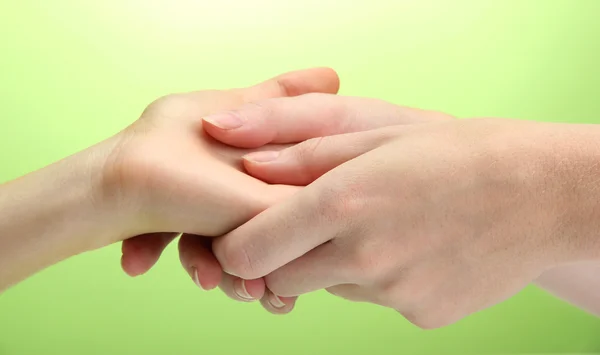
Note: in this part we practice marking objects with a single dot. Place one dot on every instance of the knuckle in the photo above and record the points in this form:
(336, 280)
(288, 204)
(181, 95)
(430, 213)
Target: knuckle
(166, 105)
(341, 203)
(337, 114)
(351, 200)
(288, 87)
(256, 110)
(309, 148)
(304, 156)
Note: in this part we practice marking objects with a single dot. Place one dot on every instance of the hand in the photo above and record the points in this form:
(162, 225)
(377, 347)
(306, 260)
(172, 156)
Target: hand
(161, 175)
(291, 120)
(177, 179)
(437, 220)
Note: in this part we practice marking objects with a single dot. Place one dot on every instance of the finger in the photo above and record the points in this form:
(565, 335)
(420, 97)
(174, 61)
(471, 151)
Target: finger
(198, 260)
(295, 83)
(242, 290)
(320, 268)
(279, 235)
(307, 161)
(141, 253)
(316, 80)
(295, 119)
(276, 304)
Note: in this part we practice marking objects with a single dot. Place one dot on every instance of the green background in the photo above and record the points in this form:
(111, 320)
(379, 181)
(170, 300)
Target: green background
(75, 72)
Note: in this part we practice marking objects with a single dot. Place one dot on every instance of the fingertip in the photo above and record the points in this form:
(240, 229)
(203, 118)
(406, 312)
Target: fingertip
(210, 276)
(333, 82)
(288, 300)
(213, 129)
(314, 80)
(275, 173)
(248, 137)
(197, 259)
(259, 170)
(136, 259)
(132, 246)
(262, 157)
(205, 280)
(255, 288)
(141, 253)
(278, 305)
(132, 267)
(246, 290)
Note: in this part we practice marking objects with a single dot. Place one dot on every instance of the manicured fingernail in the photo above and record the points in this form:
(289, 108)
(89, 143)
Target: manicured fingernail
(225, 121)
(262, 157)
(196, 278)
(275, 301)
(240, 290)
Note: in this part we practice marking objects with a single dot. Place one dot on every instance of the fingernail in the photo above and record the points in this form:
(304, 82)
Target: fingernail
(275, 301)
(262, 157)
(225, 121)
(196, 278)
(240, 290)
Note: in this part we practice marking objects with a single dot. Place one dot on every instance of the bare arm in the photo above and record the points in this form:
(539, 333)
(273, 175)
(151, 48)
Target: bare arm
(49, 215)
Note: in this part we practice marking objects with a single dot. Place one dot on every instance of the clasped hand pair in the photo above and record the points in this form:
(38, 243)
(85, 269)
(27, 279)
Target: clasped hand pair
(285, 187)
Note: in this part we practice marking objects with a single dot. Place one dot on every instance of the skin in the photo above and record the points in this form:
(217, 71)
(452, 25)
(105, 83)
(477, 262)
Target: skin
(164, 176)
(437, 220)
(160, 177)
(285, 121)
(316, 115)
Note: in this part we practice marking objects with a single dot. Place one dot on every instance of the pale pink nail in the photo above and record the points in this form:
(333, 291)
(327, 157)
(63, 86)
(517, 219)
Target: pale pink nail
(225, 121)
(276, 301)
(239, 287)
(262, 157)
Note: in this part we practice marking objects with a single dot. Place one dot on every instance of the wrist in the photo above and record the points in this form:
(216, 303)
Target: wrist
(551, 172)
(569, 157)
(83, 217)
(52, 214)
(118, 202)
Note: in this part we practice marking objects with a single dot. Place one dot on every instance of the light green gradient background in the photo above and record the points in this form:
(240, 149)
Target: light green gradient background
(75, 72)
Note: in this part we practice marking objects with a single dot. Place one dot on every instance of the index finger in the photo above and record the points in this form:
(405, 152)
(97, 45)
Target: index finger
(285, 120)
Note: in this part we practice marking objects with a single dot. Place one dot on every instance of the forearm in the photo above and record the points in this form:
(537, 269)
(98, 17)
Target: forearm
(49, 215)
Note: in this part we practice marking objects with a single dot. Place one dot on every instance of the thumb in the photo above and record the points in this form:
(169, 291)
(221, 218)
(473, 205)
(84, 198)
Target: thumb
(296, 119)
(305, 162)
